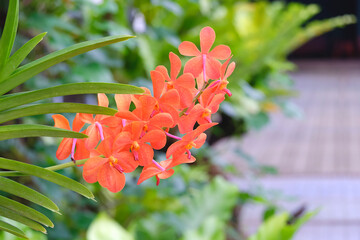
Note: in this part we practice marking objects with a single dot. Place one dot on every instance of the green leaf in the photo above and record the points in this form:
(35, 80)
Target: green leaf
(54, 108)
(27, 193)
(25, 211)
(47, 175)
(5, 212)
(11, 229)
(9, 33)
(29, 70)
(103, 227)
(271, 229)
(217, 199)
(35, 130)
(19, 56)
(18, 99)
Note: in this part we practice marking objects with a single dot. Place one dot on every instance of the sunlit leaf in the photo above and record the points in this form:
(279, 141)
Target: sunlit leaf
(27, 193)
(29, 70)
(54, 108)
(25, 211)
(19, 56)
(11, 229)
(47, 175)
(5, 212)
(18, 99)
(35, 130)
(9, 31)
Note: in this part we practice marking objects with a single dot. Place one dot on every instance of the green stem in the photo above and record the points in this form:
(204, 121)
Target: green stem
(52, 168)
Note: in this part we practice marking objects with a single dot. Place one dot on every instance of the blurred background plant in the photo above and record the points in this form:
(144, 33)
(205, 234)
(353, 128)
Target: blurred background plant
(261, 35)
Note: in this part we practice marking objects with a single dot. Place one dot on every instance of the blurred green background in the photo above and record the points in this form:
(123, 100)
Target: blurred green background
(199, 202)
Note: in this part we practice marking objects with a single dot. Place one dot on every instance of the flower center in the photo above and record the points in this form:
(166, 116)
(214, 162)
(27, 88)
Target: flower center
(206, 113)
(190, 145)
(145, 128)
(170, 85)
(135, 146)
(113, 161)
(223, 84)
(157, 107)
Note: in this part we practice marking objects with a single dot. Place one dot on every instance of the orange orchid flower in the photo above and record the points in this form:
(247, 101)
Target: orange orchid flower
(225, 72)
(109, 170)
(184, 84)
(130, 139)
(144, 113)
(195, 138)
(68, 145)
(163, 169)
(96, 130)
(204, 61)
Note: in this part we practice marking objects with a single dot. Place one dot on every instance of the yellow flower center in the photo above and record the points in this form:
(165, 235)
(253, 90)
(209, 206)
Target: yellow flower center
(190, 145)
(223, 84)
(170, 85)
(113, 160)
(135, 146)
(206, 113)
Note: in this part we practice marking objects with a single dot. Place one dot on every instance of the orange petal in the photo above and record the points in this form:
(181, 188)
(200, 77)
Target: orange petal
(86, 118)
(158, 81)
(187, 48)
(220, 52)
(156, 138)
(186, 123)
(164, 72)
(91, 168)
(103, 100)
(123, 101)
(136, 130)
(207, 38)
(181, 159)
(175, 148)
(175, 64)
(147, 173)
(111, 178)
(81, 150)
(171, 97)
(61, 121)
(161, 120)
(146, 154)
(212, 68)
(230, 70)
(166, 174)
(147, 106)
(166, 108)
(200, 140)
(194, 66)
(186, 80)
(186, 97)
(64, 149)
(127, 115)
(215, 102)
(126, 161)
(77, 123)
(111, 122)
(105, 147)
(123, 140)
(94, 137)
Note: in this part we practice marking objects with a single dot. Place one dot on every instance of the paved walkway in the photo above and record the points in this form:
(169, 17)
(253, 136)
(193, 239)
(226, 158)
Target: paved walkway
(318, 157)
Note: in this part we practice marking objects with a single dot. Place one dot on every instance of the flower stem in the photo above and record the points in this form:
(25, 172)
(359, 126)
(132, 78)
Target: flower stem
(52, 168)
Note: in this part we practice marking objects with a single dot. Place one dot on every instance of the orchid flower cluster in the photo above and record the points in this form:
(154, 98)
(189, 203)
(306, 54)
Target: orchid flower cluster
(121, 143)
